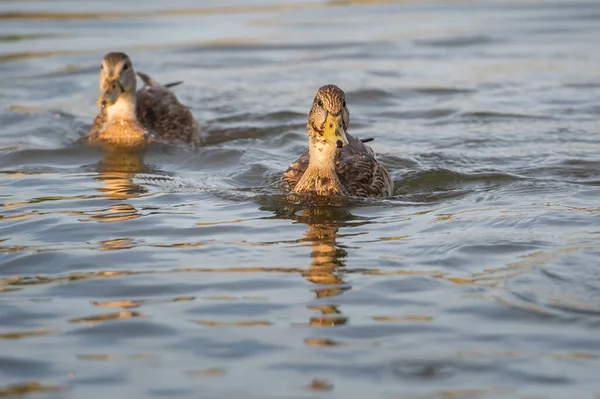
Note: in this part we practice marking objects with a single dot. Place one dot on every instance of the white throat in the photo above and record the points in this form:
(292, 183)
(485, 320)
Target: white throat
(123, 109)
(322, 156)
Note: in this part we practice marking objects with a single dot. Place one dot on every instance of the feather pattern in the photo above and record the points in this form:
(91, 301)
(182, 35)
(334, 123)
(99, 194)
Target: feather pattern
(359, 172)
(157, 111)
(356, 170)
(160, 111)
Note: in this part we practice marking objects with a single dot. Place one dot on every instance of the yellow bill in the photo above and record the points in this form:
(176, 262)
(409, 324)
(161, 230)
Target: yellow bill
(334, 131)
(110, 94)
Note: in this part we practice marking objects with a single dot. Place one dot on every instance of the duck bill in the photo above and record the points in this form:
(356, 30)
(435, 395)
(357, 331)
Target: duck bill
(334, 132)
(110, 94)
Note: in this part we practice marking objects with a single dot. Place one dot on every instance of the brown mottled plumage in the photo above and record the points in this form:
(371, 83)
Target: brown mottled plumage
(161, 112)
(156, 110)
(336, 163)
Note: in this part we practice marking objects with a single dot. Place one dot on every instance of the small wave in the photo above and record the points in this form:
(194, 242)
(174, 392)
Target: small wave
(485, 116)
(568, 170)
(420, 114)
(247, 117)
(553, 289)
(381, 96)
(369, 94)
(438, 184)
(442, 91)
(30, 160)
(459, 41)
(49, 15)
(40, 127)
(583, 85)
(34, 36)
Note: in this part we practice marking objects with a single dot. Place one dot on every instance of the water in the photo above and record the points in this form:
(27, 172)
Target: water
(186, 273)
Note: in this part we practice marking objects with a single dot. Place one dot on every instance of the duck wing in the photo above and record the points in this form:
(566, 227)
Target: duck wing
(360, 172)
(356, 166)
(160, 111)
(99, 124)
(294, 172)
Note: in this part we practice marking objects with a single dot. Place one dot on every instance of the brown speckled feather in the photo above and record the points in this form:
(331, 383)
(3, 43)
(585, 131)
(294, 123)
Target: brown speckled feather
(128, 134)
(99, 123)
(100, 118)
(358, 170)
(160, 111)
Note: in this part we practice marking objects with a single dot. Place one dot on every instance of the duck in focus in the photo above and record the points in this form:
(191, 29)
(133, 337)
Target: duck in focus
(116, 123)
(336, 163)
(132, 120)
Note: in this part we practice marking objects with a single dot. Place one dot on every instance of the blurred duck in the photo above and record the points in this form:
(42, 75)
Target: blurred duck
(130, 119)
(336, 163)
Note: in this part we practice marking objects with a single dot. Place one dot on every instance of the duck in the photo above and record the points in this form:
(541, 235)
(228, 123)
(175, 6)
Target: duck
(336, 163)
(134, 119)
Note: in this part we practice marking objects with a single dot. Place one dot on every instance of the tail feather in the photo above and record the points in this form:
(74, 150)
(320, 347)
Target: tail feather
(367, 140)
(174, 83)
(151, 82)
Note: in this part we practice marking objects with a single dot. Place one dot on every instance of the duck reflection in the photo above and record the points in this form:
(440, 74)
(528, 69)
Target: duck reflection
(117, 170)
(327, 258)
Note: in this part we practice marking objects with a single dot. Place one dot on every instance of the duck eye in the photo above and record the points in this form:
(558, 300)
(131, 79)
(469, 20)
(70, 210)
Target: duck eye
(126, 67)
(320, 102)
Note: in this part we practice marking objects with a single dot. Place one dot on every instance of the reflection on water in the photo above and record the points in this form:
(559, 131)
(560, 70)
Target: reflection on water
(326, 258)
(117, 170)
(183, 273)
(18, 390)
(319, 385)
(97, 319)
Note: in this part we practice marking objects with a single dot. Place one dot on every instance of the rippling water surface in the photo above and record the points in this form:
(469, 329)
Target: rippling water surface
(186, 273)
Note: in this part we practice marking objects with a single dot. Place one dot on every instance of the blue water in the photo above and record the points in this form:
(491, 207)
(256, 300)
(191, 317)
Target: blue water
(185, 273)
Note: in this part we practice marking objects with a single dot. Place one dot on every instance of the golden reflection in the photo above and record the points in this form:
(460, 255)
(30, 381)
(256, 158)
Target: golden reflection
(117, 171)
(28, 388)
(112, 245)
(114, 357)
(21, 216)
(128, 304)
(208, 372)
(321, 342)
(326, 258)
(7, 249)
(319, 385)
(101, 318)
(25, 334)
(180, 245)
(203, 10)
(326, 342)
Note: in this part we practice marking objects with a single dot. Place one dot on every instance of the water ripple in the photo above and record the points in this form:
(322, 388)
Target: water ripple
(186, 272)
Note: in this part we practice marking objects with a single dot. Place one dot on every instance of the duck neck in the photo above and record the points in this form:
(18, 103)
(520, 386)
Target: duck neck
(320, 176)
(322, 157)
(123, 109)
